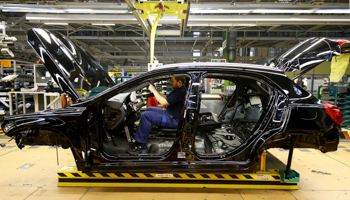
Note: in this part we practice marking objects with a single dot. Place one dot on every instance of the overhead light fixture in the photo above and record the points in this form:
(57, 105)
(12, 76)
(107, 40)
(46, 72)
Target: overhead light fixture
(286, 11)
(103, 24)
(189, 24)
(73, 18)
(261, 11)
(28, 8)
(166, 19)
(49, 23)
(196, 19)
(333, 11)
(199, 11)
(244, 25)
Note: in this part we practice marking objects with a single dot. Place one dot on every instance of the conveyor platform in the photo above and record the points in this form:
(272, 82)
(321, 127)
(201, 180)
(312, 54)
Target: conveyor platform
(264, 179)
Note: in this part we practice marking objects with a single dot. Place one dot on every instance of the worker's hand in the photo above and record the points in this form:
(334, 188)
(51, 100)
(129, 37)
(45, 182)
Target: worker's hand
(152, 88)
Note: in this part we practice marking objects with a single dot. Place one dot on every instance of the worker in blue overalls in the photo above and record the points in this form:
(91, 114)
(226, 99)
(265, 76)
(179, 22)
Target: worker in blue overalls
(168, 117)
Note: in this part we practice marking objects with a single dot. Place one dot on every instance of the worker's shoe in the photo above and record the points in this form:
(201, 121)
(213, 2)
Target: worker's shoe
(137, 148)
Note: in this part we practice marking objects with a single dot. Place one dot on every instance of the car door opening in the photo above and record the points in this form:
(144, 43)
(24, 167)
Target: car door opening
(225, 124)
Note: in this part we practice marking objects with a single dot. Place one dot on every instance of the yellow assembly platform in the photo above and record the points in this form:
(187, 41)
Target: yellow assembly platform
(264, 179)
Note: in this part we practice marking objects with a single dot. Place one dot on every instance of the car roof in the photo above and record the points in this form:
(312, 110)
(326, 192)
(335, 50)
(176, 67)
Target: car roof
(263, 68)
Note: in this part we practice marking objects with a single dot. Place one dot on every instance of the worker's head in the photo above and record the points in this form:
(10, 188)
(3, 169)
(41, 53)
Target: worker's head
(177, 81)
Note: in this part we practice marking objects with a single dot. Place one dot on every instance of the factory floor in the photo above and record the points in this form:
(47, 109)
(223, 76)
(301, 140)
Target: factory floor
(31, 174)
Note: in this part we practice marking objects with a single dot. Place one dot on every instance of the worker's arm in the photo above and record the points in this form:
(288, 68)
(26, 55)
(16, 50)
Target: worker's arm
(160, 97)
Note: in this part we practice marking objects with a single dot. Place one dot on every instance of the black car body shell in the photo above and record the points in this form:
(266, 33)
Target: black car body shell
(82, 131)
(80, 125)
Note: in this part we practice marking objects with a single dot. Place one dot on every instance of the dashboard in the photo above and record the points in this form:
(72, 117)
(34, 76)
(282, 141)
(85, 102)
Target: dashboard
(120, 108)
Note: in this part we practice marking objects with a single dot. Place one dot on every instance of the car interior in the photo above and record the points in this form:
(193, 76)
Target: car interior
(123, 112)
(222, 126)
(222, 130)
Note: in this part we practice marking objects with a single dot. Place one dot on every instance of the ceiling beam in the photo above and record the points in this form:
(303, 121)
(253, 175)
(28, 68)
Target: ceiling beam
(2, 16)
(141, 38)
(313, 28)
(168, 53)
(145, 26)
(139, 46)
(206, 45)
(70, 27)
(166, 45)
(287, 28)
(146, 42)
(76, 30)
(231, 28)
(271, 28)
(159, 46)
(279, 44)
(249, 44)
(194, 44)
(111, 45)
(87, 46)
(341, 28)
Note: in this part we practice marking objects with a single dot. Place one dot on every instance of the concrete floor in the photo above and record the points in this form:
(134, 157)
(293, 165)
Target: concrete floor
(31, 173)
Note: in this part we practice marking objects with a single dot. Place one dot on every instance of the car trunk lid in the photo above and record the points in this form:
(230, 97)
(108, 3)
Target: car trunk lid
(308, 54)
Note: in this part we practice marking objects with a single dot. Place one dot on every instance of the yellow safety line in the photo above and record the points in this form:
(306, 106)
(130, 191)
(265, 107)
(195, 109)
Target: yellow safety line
(181, 185)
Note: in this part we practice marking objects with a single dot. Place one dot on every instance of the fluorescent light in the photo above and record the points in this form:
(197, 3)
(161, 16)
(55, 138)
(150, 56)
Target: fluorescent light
(334, 11)
(282, 11)
(80, 17)
(67, 11)
(199, 11)
(195, 19)
(103, 24)
(221, 24)
(93, 9)
(49, 23)
(289, 11)
(243, 24)
(209, 24)
(45, 18)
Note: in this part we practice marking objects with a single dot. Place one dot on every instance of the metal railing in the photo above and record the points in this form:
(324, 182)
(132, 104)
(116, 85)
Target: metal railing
(333, 91)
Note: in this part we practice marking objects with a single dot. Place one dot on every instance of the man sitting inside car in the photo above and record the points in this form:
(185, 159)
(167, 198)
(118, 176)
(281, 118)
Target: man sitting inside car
(168, 117)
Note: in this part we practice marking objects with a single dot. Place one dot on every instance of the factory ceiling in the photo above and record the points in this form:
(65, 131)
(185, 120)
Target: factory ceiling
(114, 32)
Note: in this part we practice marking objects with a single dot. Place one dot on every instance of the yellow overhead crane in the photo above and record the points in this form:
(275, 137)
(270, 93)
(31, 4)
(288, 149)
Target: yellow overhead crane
(160, 8)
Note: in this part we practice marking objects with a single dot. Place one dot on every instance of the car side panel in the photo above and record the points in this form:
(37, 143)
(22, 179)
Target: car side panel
(60, 127)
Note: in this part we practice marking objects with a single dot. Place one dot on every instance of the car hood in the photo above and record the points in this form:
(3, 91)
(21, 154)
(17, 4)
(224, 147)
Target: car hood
(308, 54)
(73, 68)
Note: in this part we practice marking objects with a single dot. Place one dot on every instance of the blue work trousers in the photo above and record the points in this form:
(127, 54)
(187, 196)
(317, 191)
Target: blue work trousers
(153, 116)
